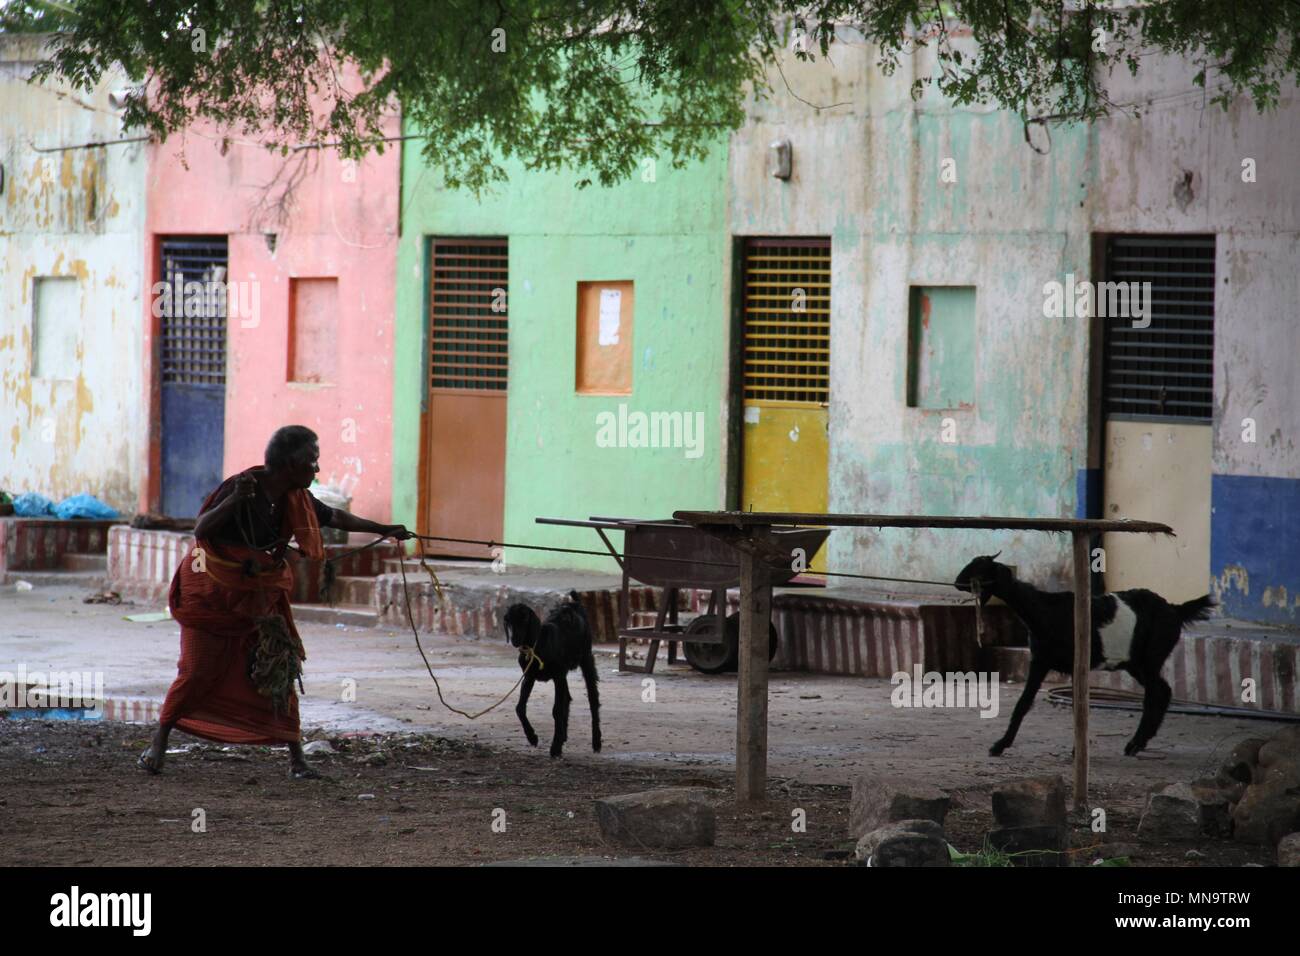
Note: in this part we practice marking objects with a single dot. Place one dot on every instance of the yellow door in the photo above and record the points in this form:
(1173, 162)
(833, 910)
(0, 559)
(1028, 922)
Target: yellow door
(786, 380)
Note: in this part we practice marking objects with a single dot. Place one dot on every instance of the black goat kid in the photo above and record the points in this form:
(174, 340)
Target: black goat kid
(547, 653)
(1132, 631)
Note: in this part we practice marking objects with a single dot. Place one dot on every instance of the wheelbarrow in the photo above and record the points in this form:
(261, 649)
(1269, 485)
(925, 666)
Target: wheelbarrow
(672, 555)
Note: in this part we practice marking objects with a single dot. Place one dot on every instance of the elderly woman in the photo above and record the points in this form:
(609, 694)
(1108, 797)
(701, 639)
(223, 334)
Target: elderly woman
(240, 651)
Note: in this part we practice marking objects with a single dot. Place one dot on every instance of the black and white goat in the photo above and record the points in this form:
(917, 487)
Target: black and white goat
(548, 651)
(1132, 631)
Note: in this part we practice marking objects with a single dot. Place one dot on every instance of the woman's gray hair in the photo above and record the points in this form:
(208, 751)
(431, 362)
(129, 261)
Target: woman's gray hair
(288, 446)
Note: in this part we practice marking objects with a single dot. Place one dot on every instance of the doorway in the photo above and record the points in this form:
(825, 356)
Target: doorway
(464, 454)
(785, 300)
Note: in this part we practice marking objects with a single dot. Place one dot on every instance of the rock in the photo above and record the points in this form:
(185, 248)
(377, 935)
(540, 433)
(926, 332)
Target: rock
(904, 843)
(1216, 806)
(1231, 790)
(318, 747)
(1282, 747)
(1031, 802)
(878, 801)
(1193, 855)
(1288, 850)
(1239, 766)
(1183, 811)
(1270, 808)
(669, 818)
(1042, 845)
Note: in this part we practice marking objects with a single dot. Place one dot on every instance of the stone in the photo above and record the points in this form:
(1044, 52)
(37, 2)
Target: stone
(1216, 805)
(1030, 802)
(878, 801)
(318, 747)
(1282, 747)
(1270, 808)
(1184, 811)
(904, 843)
(1231, 790)
(1288, 850)
(669, 818)
(1041, 845)
(1239, 765)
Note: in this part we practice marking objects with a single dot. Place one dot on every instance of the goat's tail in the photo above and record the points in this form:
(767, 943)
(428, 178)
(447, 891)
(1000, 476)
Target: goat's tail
(1198, 609)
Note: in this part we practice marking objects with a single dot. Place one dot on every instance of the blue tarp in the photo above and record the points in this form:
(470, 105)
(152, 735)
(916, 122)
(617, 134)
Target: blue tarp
(32, 505)
(84, 506)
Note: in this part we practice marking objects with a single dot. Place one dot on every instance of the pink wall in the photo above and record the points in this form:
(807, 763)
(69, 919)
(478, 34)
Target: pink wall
(343, 226)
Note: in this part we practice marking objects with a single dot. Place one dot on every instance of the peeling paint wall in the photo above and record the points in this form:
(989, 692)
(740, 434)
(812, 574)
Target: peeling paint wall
(918, 193)
(342, 224)
(873, 174)
(1187, 167)
(74, 213)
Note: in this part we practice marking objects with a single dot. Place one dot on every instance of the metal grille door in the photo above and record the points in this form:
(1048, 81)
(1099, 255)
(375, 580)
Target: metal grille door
(468, 316)
(785, 354)
(465, 451)
(787, 321)
(192, 354)
(1164, 369)
(1158, 392)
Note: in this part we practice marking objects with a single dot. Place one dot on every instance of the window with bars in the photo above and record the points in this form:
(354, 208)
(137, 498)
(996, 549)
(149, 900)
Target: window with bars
(1165, 369)
(787, 311)
(192, 306)
(468, 314)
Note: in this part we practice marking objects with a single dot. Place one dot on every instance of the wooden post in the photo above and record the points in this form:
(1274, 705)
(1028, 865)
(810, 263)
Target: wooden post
(751, 703)
(1082, 665)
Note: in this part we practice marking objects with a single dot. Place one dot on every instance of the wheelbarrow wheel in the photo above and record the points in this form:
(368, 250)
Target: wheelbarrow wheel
(708, 658)
(733, 639)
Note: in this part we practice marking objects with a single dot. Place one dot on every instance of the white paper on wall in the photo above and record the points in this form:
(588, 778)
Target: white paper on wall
(611, 304)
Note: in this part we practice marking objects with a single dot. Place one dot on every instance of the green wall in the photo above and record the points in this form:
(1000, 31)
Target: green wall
(668, 236)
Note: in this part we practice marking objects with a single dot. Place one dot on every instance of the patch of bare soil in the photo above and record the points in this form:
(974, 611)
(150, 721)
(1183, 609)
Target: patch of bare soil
(73, 796)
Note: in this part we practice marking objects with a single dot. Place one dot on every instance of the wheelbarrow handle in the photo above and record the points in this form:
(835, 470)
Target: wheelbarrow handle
(567, 522)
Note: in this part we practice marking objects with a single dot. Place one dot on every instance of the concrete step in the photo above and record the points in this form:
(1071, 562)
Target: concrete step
(84, 580)
(73, 561)
(438, 564)
(350, 615)
(354, 589)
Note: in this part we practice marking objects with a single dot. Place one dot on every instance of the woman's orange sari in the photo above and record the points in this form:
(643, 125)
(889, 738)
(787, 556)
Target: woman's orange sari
(217, 604)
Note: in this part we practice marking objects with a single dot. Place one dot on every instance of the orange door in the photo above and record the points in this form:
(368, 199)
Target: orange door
(463, 486)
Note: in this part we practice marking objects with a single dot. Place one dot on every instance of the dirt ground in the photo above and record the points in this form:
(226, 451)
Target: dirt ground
(412, 784)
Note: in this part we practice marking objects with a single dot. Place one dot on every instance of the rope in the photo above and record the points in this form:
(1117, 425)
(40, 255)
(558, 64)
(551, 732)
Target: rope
(411, 620)
(529, 652)
(979, 613)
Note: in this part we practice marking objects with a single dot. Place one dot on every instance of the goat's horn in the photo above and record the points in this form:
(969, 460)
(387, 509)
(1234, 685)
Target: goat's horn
(993, 557)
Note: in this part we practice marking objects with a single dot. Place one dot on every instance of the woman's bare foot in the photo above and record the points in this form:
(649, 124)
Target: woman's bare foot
(153, 758)
(299, 768)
